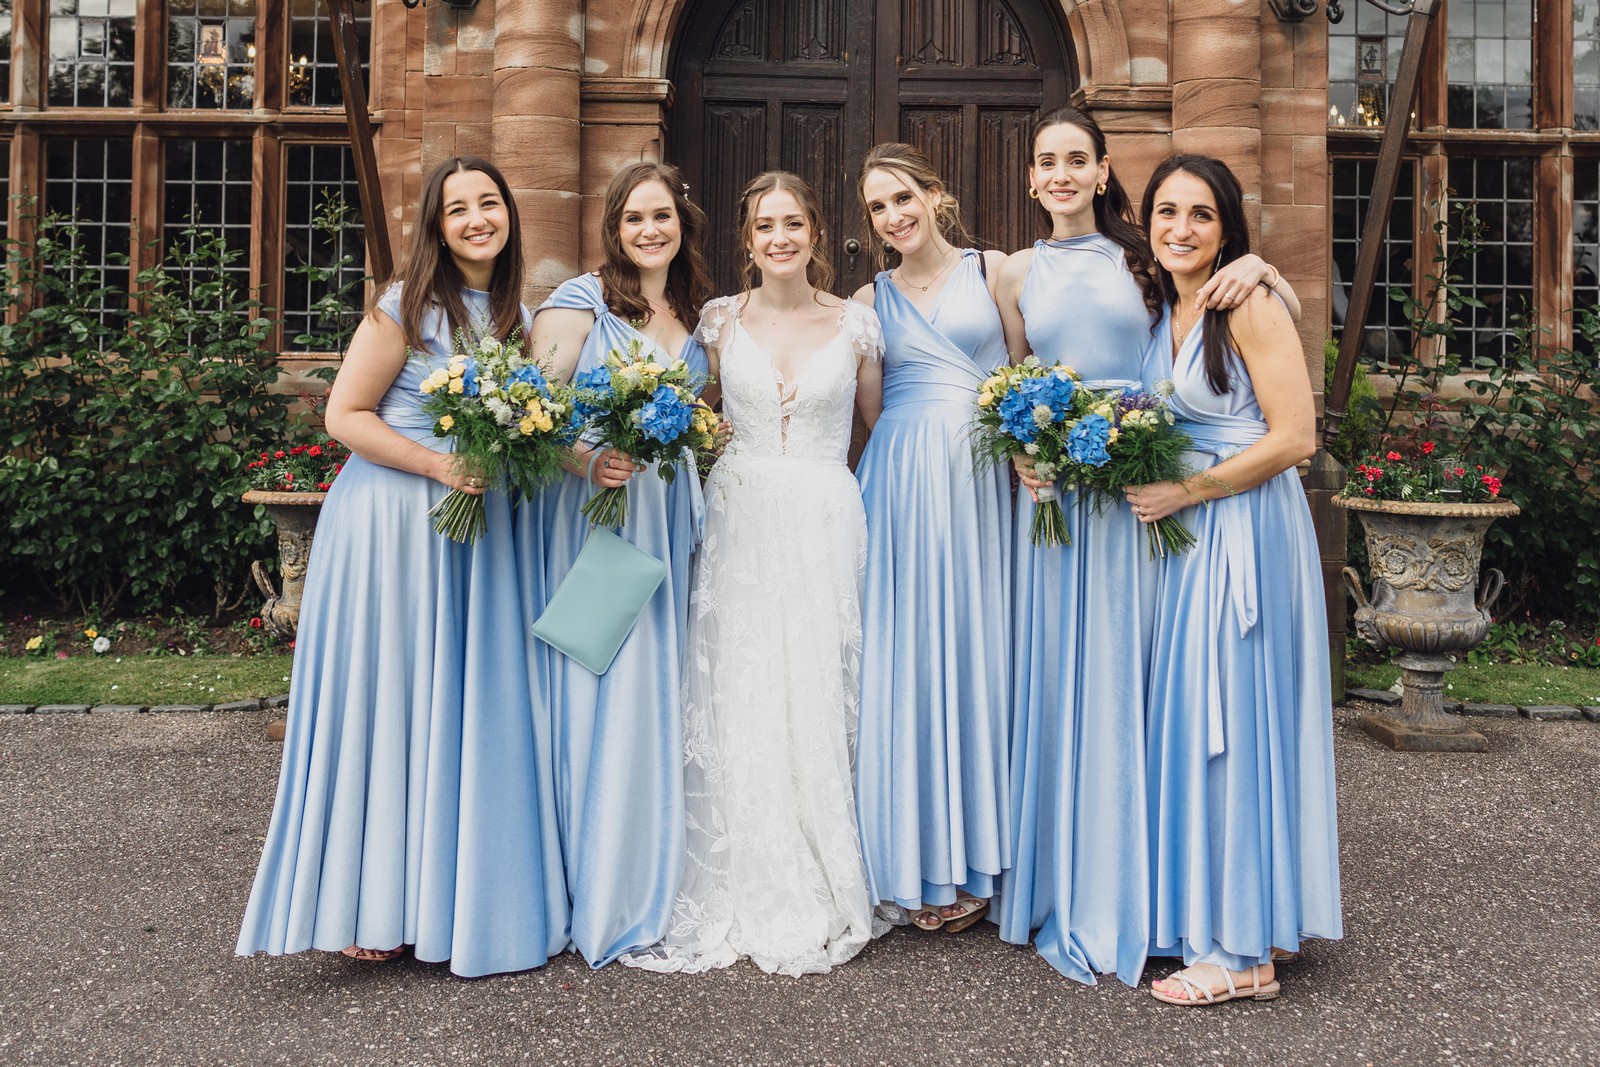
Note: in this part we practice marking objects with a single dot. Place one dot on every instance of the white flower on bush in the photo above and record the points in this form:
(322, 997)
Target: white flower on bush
(499, 409)
(101, 644)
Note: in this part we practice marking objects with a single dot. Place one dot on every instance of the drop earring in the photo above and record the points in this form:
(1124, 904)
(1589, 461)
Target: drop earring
(1100, 190)
(1033, 194)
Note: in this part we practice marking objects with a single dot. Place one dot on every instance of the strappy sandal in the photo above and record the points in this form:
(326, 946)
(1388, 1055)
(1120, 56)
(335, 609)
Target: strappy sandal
(371, 955)
(1200, 996)
(1283, 955)
(972, 909)
(927, 919)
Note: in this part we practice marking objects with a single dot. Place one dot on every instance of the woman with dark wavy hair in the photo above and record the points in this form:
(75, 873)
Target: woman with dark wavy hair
(1084, 612)
(1244, 845)
(617, 737)
(412, 807)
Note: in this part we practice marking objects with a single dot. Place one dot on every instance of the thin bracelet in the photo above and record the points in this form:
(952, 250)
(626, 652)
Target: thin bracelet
(1276, 278)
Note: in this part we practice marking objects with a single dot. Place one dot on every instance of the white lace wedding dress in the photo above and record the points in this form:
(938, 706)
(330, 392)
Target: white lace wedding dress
(774, 868)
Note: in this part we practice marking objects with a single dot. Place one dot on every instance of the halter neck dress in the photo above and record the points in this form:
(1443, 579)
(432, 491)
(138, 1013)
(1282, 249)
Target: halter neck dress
(1084, 616)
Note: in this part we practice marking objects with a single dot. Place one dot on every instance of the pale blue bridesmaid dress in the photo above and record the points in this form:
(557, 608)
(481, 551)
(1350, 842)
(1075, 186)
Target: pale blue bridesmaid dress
(618, 736)
(1245, 852)
(414, 803)
(931, 780)
(1084, 615)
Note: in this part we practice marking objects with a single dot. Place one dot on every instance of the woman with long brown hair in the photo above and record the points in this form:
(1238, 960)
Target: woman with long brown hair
(412, 806)
(617, 737)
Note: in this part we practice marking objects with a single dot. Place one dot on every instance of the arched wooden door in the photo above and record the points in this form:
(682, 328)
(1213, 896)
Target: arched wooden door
(810, 85)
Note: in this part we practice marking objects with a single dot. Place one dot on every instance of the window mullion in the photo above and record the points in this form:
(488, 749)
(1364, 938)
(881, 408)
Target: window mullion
(1552, 64)
(144, 248)
(266, 219)
(1552, 247)
(150, 57)
(28, 57)
(272, 21)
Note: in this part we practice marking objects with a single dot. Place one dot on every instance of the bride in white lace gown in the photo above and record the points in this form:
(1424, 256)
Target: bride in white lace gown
(774, 868)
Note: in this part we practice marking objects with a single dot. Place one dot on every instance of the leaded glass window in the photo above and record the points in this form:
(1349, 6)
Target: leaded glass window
(1585, 236)
(313, 79)
(211, 54)
(321, 185)
(91, 53)
(1388, 333)
(1363, 58)
(5, 192)
(5, 51)
(1490, 64)
(208, 184)
(90, 181)
(1586, 64)
(1500, 192)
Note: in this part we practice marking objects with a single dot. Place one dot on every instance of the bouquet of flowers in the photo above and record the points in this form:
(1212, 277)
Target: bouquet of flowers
(649, 411)
(1030, 409)
(511, 425)
(1420, 473)
(303, 468)
(1129, 437)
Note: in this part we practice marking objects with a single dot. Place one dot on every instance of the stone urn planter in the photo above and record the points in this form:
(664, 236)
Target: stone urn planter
(1424, 559)
(295, 515)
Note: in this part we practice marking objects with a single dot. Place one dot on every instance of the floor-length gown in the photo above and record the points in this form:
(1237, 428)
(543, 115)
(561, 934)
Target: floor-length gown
(1244, 841)
(414, 803)
(931, 779)
(1084, 617)
(772, 867)
(618, 736)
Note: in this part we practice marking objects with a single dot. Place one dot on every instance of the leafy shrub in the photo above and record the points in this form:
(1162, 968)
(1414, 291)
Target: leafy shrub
(1358, 432)
(127, 430)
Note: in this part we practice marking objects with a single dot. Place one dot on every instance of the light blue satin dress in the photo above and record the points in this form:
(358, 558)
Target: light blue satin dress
(1084, 616)
(619, 736)
(1245, 849)
(931, 783)
(414, 803)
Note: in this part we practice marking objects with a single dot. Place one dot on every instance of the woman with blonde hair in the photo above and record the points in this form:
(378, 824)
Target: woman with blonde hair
(931, 776)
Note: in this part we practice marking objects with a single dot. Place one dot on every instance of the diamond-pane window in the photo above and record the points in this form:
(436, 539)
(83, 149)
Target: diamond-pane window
(5, 192)
(322, 184)
(91, 53)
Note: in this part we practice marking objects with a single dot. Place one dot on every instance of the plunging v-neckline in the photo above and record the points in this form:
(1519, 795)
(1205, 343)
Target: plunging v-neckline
(788, 388)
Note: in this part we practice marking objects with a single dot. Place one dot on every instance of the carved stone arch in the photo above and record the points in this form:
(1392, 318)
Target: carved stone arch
(1100, 40)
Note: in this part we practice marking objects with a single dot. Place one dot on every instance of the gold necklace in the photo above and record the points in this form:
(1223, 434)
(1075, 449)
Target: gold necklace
(949, 262)
(1181, 328)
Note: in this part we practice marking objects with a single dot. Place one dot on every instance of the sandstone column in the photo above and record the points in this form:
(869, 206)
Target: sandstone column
(538, 49)
(1216, 88)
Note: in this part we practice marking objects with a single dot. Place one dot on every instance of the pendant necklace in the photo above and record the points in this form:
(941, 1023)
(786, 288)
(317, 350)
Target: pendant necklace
(901, 272)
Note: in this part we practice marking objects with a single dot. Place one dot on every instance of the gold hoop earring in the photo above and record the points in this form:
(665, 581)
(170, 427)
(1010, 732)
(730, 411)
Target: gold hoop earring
(1033, 194)
(1100, 190)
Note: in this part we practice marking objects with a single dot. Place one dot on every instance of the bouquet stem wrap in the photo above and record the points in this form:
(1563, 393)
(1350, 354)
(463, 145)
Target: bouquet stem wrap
(1049, 524)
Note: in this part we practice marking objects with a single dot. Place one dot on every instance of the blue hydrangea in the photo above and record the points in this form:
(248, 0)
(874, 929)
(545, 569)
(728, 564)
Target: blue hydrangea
(1088, 441)
(665, 417)
(529, 374)
(469, 378)
(1019, 409)
(594, 392)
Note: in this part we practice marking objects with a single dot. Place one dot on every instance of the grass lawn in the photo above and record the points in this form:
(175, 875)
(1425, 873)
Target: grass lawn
(217, 679)
(195, 679)
(1496, 683)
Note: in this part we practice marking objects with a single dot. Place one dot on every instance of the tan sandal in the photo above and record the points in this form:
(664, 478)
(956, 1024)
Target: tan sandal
(371, 955)
(927, 919)
(1201, 996)
(971, 910)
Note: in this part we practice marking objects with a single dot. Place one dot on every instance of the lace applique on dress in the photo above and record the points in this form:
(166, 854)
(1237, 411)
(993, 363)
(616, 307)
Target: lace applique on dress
(714, 317)
(862, 327)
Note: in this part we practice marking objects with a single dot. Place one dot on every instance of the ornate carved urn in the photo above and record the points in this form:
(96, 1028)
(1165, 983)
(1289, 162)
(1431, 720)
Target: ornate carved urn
(1424, 559)
(295, 515)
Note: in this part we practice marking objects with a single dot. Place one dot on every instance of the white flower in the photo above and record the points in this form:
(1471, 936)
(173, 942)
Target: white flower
(101, 644)
(489, 345)
(1031, 448)
(1042, 415)
(1166, 387)
(499, 409)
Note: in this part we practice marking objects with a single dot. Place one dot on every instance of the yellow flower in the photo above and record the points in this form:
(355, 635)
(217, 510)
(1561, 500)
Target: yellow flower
(457, 386)
(985, 399)
(1111, 436)
(33, 644)
(544, 422)
(527, 425)
(91, 633)
(458, 367)
(446, 421)
(435, 381)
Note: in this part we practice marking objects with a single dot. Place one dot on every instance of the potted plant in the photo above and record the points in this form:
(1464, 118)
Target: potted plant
(290, 484)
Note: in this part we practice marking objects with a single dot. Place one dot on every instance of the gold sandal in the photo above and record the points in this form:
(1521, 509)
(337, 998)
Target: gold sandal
(1201, 996)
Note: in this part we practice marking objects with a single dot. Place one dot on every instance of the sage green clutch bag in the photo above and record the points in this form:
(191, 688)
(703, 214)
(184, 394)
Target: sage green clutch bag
(597, 603)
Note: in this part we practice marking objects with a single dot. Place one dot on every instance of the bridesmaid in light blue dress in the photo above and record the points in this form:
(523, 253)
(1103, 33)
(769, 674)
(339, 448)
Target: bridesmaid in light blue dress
(1243, 835)
(618, 737)
(931, 781)
(414, 803)
(1084, 613)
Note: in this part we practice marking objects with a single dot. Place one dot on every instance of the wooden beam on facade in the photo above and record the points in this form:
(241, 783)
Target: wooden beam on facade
(1379, 203)
(347, 53)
